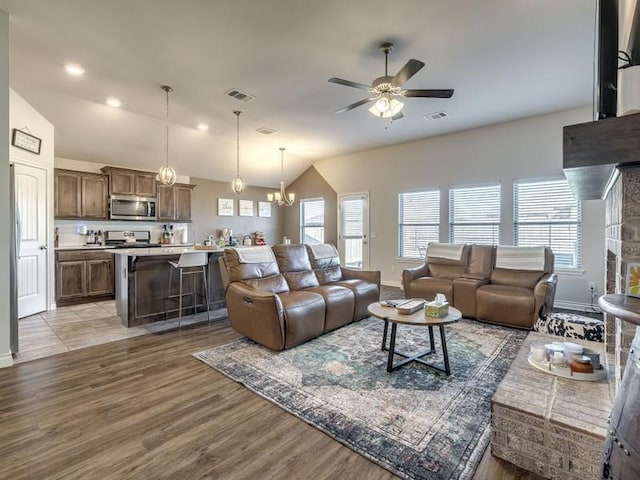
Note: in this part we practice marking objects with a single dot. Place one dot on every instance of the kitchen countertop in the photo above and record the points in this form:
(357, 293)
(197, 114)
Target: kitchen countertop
(84, 247)
(154, 251)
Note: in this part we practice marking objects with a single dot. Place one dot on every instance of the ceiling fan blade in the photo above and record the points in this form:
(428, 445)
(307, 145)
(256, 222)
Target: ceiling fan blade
(355, 105)
(349, 83)
(410, 68)
(429, 93)
(397, 116)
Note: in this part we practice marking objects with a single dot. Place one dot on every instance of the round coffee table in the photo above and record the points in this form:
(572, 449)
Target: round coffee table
(417, 319)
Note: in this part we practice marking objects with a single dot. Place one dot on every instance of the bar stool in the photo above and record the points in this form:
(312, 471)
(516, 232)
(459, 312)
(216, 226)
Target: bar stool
(189, 264)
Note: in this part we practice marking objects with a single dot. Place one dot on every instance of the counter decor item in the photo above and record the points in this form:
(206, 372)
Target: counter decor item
(563, 360)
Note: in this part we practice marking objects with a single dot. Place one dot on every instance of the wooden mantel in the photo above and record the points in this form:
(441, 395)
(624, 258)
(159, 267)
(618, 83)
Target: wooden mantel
(592, 152)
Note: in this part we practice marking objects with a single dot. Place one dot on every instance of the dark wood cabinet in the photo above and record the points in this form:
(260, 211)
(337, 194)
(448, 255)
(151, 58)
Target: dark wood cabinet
(83, 276)
(174, 203)
(130, 182)
(80, 195)
(94, 193)
(67, 198)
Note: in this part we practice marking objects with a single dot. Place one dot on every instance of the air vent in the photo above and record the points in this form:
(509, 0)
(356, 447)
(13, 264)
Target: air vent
(436, 116)
(266, 131)
(242, 96)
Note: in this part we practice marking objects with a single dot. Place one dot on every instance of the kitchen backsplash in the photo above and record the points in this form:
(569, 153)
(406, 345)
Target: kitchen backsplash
(69, 230)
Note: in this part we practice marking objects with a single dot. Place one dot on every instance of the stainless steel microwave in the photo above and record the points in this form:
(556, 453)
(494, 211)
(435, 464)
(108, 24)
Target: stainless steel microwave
(127, 207)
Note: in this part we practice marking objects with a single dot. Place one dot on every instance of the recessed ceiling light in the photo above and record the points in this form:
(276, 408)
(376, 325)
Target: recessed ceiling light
(74, 70)
(113, 102)
(203, 127)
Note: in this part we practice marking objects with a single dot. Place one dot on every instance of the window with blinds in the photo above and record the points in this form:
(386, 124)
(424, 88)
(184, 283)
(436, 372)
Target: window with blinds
(547, 213)
(474, 214)
(312, 221)
(419, 222)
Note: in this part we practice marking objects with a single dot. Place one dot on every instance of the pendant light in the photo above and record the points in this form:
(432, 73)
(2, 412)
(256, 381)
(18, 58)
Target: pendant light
(281, 198)
(238, 183)
(166, 174)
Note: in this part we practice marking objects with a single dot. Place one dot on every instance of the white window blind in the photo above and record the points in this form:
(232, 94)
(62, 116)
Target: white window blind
(419, 222)
(547, 213)
(474, 214)
(312, 221)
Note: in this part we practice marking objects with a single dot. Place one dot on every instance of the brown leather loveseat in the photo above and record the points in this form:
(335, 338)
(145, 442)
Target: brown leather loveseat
(284, 295)
(505, 285)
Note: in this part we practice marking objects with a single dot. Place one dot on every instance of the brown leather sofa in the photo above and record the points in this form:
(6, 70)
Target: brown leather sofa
(473, 284)
(284, 295)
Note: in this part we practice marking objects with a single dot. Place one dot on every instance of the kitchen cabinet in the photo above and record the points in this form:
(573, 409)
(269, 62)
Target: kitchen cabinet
(130, 182)
(174, 203)
(80, 195)
(83, 276)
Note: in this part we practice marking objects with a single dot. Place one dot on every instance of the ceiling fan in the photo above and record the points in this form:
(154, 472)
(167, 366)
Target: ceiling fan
(386, 89)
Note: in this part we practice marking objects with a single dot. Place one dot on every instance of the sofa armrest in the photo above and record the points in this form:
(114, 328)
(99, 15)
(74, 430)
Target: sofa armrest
(545, 293)
(410, 274)
(371, 276)
(258, 314)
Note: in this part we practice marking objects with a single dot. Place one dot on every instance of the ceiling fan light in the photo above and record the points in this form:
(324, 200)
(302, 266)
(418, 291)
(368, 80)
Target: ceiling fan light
(237, 185)
(382, 104)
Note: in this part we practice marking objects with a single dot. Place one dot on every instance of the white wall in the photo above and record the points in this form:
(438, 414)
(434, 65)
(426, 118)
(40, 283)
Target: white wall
(5, 354)
(21, 115)
(528, 148)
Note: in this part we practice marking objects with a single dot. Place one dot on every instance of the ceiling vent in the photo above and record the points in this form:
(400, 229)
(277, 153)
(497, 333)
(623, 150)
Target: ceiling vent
(436, 116)
(266, 131)
(242, 96)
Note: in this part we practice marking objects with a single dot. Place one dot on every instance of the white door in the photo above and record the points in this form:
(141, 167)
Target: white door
(31, 211)
(354, 230)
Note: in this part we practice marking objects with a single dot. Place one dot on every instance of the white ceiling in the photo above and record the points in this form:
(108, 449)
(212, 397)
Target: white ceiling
(505, 59)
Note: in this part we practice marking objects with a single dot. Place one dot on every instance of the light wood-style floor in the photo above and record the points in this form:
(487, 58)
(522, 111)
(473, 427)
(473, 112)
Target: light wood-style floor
(144, 408)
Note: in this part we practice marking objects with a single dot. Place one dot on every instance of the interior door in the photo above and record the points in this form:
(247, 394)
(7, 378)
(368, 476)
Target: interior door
(354, 230)
(31, 211)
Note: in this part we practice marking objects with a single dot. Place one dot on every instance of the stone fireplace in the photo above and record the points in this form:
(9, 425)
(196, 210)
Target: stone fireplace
(622, 240)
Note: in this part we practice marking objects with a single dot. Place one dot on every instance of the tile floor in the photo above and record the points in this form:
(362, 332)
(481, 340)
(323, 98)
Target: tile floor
(86, 325)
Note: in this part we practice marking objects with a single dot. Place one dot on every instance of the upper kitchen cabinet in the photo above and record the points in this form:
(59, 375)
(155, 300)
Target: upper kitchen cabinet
(80, 195)
(174, 203)
(130, 182)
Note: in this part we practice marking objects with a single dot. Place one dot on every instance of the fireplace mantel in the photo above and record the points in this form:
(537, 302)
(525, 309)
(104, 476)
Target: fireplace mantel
(592, 152)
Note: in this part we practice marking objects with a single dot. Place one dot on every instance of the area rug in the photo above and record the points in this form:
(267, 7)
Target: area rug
(415, 422)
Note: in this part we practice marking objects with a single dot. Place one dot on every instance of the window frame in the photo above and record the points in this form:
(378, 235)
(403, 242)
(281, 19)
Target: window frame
(304, 225)
(401, 224)
(578, 222)
(497, 224)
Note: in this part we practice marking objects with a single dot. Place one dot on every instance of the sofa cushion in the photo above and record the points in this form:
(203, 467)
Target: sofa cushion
(328, 275)
(446, 271)
(292, 258)
(340, 303)
(506, 305)
(323, 255)
(427, 287)
(516, 278)
(481, 260)
(238, 270)
(365, 293)
(303, 316)
(300, 280)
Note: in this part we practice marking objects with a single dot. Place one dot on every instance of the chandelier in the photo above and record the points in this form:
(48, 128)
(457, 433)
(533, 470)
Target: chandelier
(166, 174)
(238, 183)
(281, 198)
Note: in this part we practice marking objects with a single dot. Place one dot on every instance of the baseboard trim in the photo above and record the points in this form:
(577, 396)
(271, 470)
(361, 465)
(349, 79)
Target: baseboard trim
(568, 305)
(389, 283)
(6, 360)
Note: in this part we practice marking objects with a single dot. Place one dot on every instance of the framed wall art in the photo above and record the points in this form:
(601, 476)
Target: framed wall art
(245, 208)
(225, 207)
(264, 209)
(26, 141)
(633, 279)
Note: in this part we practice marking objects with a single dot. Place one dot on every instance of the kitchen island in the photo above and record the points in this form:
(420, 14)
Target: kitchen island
(142, 284)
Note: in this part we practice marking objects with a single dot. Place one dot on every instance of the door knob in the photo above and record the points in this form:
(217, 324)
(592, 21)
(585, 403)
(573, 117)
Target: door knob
(43, 247)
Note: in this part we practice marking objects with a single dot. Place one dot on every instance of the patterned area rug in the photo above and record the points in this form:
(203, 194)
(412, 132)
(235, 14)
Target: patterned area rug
(415, 422)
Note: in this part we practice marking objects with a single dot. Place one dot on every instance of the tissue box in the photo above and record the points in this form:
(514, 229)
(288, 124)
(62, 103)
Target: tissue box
(436, 311)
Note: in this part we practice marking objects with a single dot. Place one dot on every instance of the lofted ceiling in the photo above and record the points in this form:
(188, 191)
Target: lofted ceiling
(505, 59)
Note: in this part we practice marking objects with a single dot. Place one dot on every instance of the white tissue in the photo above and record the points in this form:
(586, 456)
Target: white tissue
(440, 299)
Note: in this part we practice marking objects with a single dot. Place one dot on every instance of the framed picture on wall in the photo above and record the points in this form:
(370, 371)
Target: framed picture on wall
(264, 209)
(633, 279)
(225, 207)
(246, 208)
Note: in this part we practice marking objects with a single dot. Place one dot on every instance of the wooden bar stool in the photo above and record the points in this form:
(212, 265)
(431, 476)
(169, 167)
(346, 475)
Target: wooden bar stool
(189, 264)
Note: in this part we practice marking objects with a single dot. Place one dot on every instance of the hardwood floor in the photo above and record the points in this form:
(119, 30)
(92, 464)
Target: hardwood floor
(144, 408)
